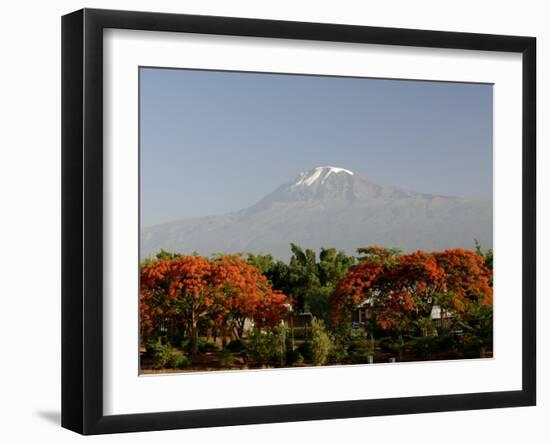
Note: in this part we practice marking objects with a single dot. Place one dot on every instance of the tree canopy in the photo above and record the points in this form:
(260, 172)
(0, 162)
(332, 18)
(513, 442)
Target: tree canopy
(399, 288)
(195, 291)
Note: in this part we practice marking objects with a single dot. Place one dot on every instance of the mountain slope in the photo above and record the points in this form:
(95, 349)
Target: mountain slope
(331, 207)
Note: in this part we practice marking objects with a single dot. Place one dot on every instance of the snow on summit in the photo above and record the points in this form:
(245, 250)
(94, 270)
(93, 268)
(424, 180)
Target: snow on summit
(320, 173)
(330, 207)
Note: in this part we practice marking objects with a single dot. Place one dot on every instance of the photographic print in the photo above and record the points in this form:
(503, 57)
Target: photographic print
(291, 221)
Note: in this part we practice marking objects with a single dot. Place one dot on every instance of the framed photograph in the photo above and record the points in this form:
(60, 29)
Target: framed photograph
(269, 221)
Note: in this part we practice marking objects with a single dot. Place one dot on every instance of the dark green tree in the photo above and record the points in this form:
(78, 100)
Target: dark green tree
(487, 255)
(309, 281)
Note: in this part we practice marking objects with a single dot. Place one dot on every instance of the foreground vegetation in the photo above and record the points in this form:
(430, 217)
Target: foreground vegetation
(251, 311)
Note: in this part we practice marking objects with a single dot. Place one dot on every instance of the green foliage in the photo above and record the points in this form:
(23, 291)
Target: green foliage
(308, 281)
(302, 274)
(361, 348)
(477, 324)
(162, 255)
(266, 346)
(178, 360)
(207, 346)
(489, 258)
(293, 357)
(426, 346)
(425, 326)
(377, 254)
(317, 301)
(264, 262)
(305, 350)
(487, 255)
(203, 345)
(236, 345)
(226, 359)
(333, 265)
(321, 343)
(161, 354)
(277, 272)
(393, 344)
(166, 356)
(338, 351)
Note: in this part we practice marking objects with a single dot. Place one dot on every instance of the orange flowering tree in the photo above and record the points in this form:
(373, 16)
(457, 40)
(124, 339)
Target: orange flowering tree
(193, 290)
(247, 294)
(408, 289)
(399, 288)
(467, 277)
(181, 288)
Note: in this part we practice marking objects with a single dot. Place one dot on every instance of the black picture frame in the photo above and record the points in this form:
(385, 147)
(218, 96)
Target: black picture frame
(82, 219)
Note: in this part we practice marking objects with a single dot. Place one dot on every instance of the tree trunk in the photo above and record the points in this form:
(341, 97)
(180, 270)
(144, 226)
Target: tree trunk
(240, 328)
(224, 335)
(400, 351)
(194, 332)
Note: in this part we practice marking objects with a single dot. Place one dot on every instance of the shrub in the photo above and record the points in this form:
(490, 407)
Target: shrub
(293, 357)
(236, 346)
(389, 344)
(393, 345)
(150, 346)
(184, 344)
(161, 354)
(166, 356)
(266, 346)
(207, 346)
(426, 345)
(338, 352)
(360, 349)
(226, 359)
(477, 324)
(178, 360)
(321, 342)
(305, 350)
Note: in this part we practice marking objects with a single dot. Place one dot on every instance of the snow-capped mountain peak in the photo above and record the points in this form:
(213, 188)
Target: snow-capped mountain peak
(330, 207)
(319, 174)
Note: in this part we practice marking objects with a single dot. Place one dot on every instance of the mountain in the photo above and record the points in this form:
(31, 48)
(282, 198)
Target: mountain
(331, 207)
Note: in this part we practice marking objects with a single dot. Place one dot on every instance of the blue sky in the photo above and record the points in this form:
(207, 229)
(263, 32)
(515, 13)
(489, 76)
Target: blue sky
(212, 142)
